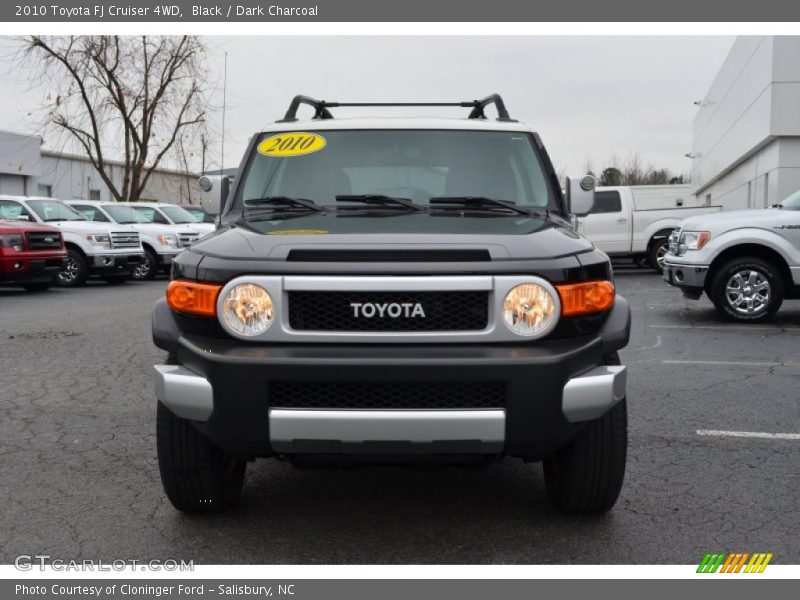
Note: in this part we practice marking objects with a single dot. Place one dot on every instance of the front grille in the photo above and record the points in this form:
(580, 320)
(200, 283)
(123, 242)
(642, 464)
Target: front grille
(387, 395)
(124, 239)
(389, 255)
(388, 311)
(43, 240)
(188, 238)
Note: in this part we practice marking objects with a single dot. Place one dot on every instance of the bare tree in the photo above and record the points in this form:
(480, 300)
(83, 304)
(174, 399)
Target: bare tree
(134, 96)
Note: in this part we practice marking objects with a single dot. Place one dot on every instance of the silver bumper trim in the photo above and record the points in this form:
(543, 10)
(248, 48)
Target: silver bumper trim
(184, 392)
(590, 395)
(286, 426)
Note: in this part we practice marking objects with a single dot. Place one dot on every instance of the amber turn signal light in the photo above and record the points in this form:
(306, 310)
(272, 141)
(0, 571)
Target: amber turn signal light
(193, 298)
(585, 298)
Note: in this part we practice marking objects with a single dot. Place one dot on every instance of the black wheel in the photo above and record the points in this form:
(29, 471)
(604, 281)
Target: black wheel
(747, 289)
(39, 286)
(197, 476)
(75, 271)
(658, 250)
(117, 279)
(585, 476)
(148, 268)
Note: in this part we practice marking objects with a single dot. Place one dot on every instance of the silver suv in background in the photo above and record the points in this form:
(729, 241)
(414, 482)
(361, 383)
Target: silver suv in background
(161, 243)
(746, 261)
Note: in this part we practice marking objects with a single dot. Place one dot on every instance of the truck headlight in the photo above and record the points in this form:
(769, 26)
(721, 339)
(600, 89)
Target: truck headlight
(11, 240)
(529, 309)
(100, 239)
(168, 239)
(248, 309)
(692, 240)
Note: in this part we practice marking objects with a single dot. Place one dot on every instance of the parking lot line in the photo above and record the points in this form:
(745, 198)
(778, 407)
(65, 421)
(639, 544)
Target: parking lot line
(728, 327)
(749, 434)
(730, 363)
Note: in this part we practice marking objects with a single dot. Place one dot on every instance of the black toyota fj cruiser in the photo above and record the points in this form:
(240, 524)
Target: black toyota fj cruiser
(393, 290)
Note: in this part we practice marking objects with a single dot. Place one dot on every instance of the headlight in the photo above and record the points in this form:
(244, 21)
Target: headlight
(11, 240)
(168, 239)
(692, 240)
(529, 309)
(248, 309)
(102, 239)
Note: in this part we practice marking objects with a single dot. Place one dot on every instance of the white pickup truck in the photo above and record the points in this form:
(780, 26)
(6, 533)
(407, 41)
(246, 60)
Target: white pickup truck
(635, 221)
(746, 261)
(161, 243)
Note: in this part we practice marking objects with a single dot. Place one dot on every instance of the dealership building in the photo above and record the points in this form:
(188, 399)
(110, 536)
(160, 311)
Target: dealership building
(28, 169)
(746, 146)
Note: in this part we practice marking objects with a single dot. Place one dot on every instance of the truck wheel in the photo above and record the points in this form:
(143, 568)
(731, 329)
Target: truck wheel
(585, 476)
(747, 289)
(147, 269)
(38, 287)
(75, 271)
(657, 253)
(197, 476)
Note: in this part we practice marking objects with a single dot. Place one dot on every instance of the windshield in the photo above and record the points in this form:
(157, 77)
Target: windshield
(176, 214)
(124, 214)
(198, 213)
(54, 210)
(792, 202)
(412, 164)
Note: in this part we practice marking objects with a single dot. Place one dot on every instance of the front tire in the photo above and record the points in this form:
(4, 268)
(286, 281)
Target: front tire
(75, 271)
(147, 269)
(747, 289)
(198, 477)
(585, 476)
(658, 252)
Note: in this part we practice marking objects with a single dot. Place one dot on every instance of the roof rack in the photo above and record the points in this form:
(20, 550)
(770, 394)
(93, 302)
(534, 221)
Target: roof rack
(321, 107)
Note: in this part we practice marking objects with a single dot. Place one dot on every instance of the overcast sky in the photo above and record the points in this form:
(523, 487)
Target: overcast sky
(589, 97)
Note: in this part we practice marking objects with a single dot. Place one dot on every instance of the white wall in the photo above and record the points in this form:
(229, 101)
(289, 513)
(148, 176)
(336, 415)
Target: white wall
(747, 130)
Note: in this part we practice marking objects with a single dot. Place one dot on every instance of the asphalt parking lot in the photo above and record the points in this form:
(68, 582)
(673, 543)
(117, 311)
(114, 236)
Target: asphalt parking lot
(79, 477)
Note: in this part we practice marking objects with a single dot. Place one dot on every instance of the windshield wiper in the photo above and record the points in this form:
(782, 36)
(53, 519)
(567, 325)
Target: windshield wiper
(281, 203)
(382, 201)
(482, 203)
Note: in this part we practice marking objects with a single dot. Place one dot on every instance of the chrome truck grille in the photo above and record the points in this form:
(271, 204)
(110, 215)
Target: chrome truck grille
(125, 239)
(188, 238)
(673, 241)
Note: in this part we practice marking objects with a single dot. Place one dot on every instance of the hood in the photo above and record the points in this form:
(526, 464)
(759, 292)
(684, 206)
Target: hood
(84, 227)
(157, 228)
(734, 219)
(14, 226)
(505, 237)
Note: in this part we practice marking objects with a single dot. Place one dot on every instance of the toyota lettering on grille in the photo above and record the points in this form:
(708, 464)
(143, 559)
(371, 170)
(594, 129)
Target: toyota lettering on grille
(394, 310)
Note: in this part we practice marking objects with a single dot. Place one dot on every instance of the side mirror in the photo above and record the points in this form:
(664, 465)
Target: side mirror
(23, 218)
(580, 195)
(214, 191)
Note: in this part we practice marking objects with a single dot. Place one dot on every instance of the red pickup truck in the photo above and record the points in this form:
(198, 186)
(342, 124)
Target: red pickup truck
(31, 255)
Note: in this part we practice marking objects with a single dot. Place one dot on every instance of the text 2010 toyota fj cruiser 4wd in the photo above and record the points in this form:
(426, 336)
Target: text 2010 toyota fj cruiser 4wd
(387, 290)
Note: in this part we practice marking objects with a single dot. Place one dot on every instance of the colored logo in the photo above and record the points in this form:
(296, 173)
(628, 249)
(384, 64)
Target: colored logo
(295, 143)
(734, 562)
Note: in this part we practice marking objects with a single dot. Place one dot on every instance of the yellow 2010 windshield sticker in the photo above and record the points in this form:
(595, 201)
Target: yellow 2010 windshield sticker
(295, 143)
(298, 232)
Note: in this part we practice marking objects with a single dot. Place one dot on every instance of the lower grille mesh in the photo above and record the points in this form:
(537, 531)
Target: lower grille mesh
(387, 395)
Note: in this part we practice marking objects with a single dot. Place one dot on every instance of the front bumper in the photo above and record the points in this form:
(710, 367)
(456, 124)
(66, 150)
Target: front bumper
(550, 388)
(687, 276)
(24, 270)
(165, 258)
(105, 264)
